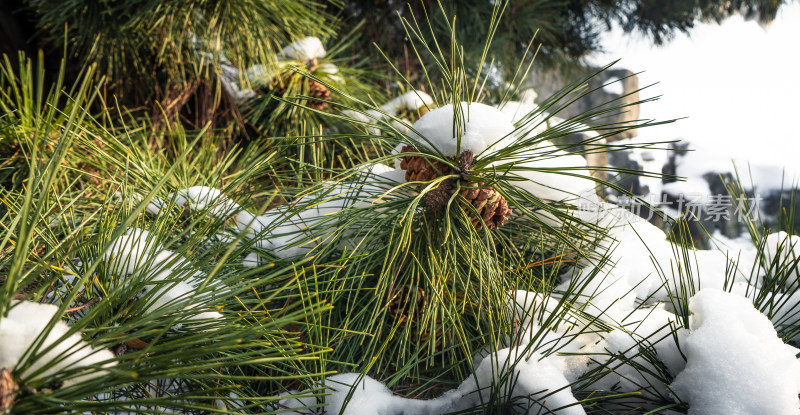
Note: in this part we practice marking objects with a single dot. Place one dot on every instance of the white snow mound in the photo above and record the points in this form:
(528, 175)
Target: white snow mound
(736, 364)
(137, 253)
(304, 49)
(27, 321)
(482, 127)
(409, 101)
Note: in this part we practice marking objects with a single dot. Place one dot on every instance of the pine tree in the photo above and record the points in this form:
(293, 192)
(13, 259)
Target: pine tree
(223, 207)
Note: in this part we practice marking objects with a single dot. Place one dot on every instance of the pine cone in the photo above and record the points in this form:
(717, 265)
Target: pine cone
(402, 299)
(8, 388)
(437, 199)
(421, 169)
(318, 91)
(315, 90)
(491, 206)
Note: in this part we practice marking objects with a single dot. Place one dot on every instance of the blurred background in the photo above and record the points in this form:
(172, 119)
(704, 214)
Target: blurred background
(734, 85)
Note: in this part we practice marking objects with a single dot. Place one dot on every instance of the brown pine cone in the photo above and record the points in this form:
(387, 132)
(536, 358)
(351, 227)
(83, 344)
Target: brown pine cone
(315, 90)
(403, 297)
(421, 169)
(491, 206)
(8, 388)
(318, 91)
(437, 199)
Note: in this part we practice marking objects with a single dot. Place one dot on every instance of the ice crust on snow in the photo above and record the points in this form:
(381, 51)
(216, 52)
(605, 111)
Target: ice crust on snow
(304, 49)
(26, 322)
(736, 364)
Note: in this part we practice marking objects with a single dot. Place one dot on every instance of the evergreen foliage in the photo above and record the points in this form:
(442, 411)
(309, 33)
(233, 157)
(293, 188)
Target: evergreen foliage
(198, 218)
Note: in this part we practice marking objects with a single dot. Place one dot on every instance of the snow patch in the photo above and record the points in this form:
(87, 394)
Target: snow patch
(170, 278)
(304, 49)
(482, 127)
(409, 101)
(26, 323)
(736, 364)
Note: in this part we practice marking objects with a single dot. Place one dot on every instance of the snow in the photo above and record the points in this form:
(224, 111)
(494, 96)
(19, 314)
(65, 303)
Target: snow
(531, 120)
(528, 96)
(154, 207)
(533, 376)
(304, 49)
(619, 349)
(206, 198)
(231, 86)
(25, 324)
(369, 397)
(694, 190)
(483, 126)
(519, 110)
(714, 155)
(521, 114)
(557, 176)
(331, 71)
(728, 347)
(711, 90)
(196, 198)
(735, 364)
(643, 261)
(783, 251)
(614, 86)
(578, 354)
(409, 101)
(787, 315)
(137, 253)
(552, 174)
(259, 74)
(282, 230)
(251, 260)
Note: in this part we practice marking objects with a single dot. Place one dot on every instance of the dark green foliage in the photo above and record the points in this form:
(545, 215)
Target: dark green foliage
(568, 30)
(392, 289)
(170, 52)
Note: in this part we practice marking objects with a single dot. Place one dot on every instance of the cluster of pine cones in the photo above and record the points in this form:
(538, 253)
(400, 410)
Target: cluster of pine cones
(316, 90)
(491, 206)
